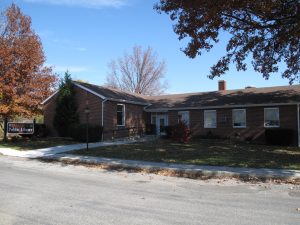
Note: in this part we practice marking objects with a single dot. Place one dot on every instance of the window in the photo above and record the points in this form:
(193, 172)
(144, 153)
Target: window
(239, 118)
(153, 119)
(271, 117)
(184, 117)
(120, 115)
(210, 119)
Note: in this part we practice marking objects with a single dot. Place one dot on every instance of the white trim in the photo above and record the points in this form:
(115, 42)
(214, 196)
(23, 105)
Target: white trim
(220, 107)
(102, 113)
(127, 101)
(47, 99)
(89, 90)
(188, 113)
(124, 118)
(101, 96)
(149, 104)
(206, 111)
(245, 118)
(110, 99)
(157, 122)
(272, 126)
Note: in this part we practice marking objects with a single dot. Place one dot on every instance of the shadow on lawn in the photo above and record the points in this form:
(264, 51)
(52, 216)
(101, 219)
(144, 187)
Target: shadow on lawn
(246, 174)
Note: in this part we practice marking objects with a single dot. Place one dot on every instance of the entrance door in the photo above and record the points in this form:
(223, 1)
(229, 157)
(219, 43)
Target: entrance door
(160, 125)
(160, 120)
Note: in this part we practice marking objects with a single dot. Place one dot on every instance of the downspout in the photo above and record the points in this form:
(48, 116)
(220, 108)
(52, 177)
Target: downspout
(102, 115)
(298, 124)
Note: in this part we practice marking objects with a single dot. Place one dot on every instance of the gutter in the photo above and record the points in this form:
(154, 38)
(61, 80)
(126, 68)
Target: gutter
(102, 115)
(218, 107)
(298, 124)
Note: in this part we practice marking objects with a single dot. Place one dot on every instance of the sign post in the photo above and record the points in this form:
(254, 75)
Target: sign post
(87, 112)
(5, 130)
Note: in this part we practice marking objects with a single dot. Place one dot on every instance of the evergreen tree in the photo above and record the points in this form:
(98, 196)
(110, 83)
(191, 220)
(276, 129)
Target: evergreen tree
(66, 109)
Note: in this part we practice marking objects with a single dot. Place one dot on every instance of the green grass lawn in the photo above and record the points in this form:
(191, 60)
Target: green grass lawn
(25, 144)
(204, 152)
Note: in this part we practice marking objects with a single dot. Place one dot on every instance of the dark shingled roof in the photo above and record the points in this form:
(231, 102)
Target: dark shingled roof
(268, 95)
(228, 98)
(112, 93)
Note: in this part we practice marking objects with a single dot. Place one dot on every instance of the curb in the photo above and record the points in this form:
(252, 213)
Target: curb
(179, 170)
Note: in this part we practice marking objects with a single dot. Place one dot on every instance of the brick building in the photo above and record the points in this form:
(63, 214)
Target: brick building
(244, 113)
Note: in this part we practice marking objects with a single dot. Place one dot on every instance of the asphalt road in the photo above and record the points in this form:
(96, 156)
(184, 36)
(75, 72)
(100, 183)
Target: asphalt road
(33, 192)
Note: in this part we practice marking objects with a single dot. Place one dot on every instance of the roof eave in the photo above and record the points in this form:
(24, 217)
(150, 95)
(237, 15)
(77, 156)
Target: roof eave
(219, 107)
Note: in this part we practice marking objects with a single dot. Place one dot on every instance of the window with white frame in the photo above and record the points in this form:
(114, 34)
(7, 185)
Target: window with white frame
(271, 117)
(239, 118)
(184, 116)
(210, 118)
(120, 115)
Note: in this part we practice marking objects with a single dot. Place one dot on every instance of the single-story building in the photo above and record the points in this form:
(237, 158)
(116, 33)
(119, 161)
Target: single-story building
(243, 113)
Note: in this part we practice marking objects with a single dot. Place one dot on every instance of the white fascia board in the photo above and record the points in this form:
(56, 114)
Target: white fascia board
(109, 99)
(47, 99)
(127, 101)
(220, 107)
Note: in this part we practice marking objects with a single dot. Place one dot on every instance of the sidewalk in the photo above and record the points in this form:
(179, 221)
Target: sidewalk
(209, 171)
(51, 151)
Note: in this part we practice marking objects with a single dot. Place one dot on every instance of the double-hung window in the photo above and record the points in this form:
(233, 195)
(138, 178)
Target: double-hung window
(121, 115)
(239, 118)
(184, 116)
(271, 117)
(210, 118)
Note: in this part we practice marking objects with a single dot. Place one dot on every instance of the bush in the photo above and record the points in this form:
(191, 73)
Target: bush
(40, 130)
(66, 113)
(78, 133)
(181, 133)
(279, 136)
(169, 131)
(150, 129)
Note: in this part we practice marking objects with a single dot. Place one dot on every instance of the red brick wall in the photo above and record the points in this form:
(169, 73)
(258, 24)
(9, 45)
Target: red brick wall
(94, 103)
(134, 117)
(82, 98)
(134, 114)
(254, 122)
(49, 112)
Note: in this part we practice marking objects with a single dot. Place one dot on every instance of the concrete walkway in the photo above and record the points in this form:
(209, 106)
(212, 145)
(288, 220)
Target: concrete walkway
(51, 151)
(213, 171)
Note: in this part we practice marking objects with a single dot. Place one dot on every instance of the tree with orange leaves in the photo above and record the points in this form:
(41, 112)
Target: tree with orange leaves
(24, 80)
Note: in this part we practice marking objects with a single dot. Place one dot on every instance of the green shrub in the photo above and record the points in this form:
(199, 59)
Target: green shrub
(40, 130)
(78, 133)
(279, 136)
(169, 131)
(66, 107)
(150, 129)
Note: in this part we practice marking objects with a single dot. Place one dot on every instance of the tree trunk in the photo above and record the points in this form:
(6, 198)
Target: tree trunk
(5, 129)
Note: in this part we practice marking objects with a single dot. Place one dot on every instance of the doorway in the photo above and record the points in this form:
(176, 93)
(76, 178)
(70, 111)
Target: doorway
(161, 121)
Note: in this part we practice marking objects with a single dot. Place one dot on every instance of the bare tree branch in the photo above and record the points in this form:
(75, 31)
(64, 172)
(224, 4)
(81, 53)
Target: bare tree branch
(139, 73)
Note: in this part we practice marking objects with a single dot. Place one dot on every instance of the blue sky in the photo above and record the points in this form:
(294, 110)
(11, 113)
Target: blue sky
(85, 35)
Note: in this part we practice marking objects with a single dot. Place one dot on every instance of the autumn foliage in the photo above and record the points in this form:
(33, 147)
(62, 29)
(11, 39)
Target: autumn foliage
(181, 133)
(266, 31)
(24, 80)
